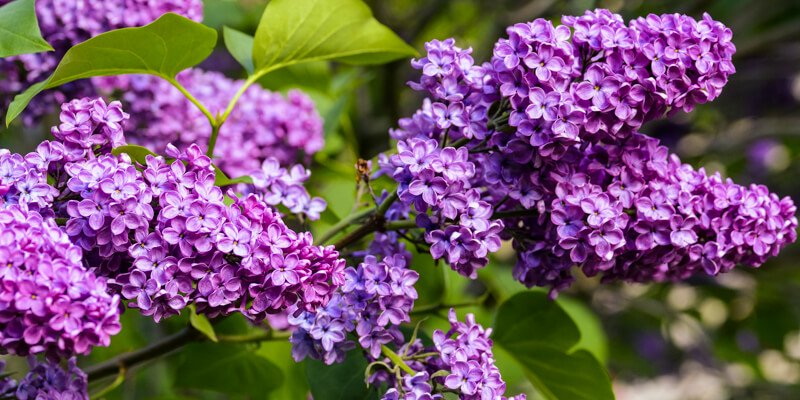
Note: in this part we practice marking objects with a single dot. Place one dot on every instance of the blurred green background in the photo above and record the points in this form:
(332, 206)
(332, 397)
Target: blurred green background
(735, 337)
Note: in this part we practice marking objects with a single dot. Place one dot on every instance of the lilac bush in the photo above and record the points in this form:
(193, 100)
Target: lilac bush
(538, 147)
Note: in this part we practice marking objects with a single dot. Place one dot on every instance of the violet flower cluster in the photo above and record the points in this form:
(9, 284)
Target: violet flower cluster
(460, 361)
(263, 124)
(543, 140)
(376, 297)
(66, 23)
(164, 234)
(48, 380)
(49, 302)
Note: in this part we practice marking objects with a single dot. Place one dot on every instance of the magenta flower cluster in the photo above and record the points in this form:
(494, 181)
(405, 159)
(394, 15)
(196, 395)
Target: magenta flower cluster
(66, 23)
(49, 380)
(263, 125)
(49, 302)
(279, 186)
(377, 296)
(545, 140)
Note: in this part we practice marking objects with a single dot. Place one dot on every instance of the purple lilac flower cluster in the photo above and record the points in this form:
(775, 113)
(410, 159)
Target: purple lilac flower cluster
(263, 125)
(445, 179)
(49, 302)
(545, 139)
(460, 361)
(223, 258)
(377, 296)
(48, 380)
(164, 234)
(23, 179)
(67, 23)
(284, 186)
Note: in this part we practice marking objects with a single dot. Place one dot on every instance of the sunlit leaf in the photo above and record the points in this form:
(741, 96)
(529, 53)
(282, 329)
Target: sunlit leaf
(163, 48)
(202, 324)
(297, 31)
(19, 30)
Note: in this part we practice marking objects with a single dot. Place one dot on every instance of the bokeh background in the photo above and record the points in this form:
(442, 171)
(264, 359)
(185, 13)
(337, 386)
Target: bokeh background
(734, 337)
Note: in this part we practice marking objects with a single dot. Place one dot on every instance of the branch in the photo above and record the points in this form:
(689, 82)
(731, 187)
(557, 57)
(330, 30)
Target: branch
(128, 360)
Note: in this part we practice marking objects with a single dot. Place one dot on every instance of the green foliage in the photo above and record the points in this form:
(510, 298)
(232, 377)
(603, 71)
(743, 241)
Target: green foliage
(341, 381)
(19, 30)
(240, 45)
(542, 337)
(227, 368)
(222, 180)
(136, 153)
(202, 324)
(163, 48)
(297, 31)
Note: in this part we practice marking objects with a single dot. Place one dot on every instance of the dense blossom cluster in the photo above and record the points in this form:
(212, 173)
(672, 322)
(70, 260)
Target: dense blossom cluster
(66, 23)
(545, 139)
(377, 296)
(263, 125)
(277, 185)
(48, 380)
(460, 361)
(49, 302)
(163, 233)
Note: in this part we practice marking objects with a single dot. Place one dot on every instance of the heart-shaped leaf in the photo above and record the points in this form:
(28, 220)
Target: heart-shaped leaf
(19, 30)
(543, 339)
(163, 48)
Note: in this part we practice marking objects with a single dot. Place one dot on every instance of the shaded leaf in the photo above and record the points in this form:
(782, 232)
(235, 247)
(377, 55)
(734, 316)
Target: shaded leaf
(19, 29)
(341, 381)
(240, 45)
(296, 31)
(541, 337)
(163, 48)
(229, 369)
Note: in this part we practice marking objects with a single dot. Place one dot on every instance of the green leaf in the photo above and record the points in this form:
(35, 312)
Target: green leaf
(240, 45)
(221, 179)
(19, 30)
(202, 324)
(163, 48)
(296, 31)
(229, 369)
(294, 385)
(342, 381)
(137, 153)
(542, 339)
(593, 338)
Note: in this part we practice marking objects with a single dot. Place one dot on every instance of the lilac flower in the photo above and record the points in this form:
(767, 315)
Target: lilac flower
(53, 304)
(48, 380)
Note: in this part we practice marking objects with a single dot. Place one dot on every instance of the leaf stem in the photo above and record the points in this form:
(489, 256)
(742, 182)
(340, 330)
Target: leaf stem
(106, 390)
(397, 360)
(255, 338)
(344, 223)
(190, 97)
